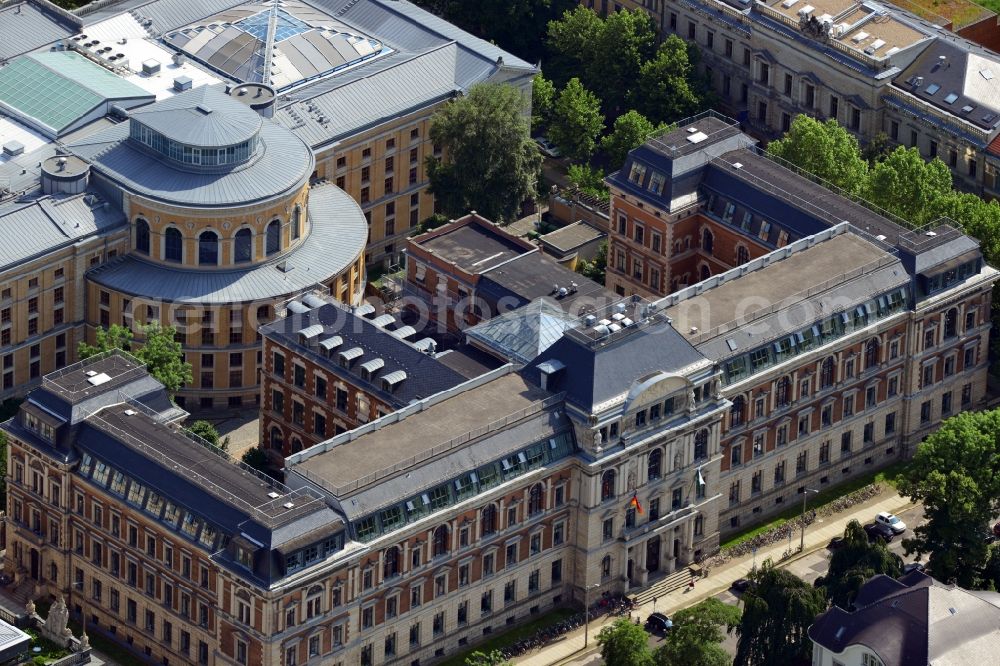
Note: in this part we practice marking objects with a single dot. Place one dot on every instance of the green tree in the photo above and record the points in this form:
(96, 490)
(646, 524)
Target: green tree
(954, 475)
(256, 458)
(665, 90)
(823, 149)
(777, 612)
(116, 337)
(696, 635)
(588, 179)
(595, 269)
(571, 41)
(907, 185)
(494, 658)
(206, 431)
(630, 131)
(876, 149)
(624, 644)
(490, 163)
(614, 62)
(854, 563)
(576, 121)
(163, 357)
(543, 96)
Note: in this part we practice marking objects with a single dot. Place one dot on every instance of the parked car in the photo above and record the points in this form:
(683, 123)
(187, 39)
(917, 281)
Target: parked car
(741, 585)
(892, 522)
(876, 530)
(913, 566)
(996, 529)
(836, 543)
(547, 147)
(658, 623)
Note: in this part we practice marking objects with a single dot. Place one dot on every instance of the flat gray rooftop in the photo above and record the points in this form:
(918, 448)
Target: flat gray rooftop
(781, 283)
(454, 417)
(85, 379)
(473, 247)
(572, 236)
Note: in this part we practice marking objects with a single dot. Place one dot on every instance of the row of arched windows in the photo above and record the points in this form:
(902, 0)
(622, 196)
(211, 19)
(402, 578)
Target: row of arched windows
(208, 242)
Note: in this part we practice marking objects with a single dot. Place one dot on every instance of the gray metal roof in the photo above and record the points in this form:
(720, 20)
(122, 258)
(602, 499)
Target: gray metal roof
(168, 15)
(26, 26)
(32, 229)
(337, 238)
(283, 163)
(205, 116)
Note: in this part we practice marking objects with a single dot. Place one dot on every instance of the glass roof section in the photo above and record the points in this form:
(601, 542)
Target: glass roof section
(281, 43)
(51, 91)
(523, 334)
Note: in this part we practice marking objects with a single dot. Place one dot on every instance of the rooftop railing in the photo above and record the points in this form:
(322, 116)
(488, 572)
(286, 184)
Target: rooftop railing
(123, 367)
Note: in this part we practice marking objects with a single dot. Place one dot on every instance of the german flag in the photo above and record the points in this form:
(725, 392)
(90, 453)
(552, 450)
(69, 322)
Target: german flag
(634, 502)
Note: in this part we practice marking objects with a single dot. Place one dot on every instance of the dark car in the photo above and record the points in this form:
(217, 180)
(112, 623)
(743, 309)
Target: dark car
(658, 623)
(996, 529)
(876, 530)
(913, 566)
(836, 543)
(741, 585)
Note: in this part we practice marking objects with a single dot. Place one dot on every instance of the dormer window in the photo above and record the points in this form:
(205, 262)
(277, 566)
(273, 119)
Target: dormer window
(244, 557)
(637, 173)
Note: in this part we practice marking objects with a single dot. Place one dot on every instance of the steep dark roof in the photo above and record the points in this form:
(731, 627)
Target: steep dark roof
(425, 375)
(597, 372)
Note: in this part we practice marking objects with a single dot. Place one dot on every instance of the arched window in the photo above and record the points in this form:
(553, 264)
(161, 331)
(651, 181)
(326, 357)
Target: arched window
(296, 445)
(784, 392)
(142, 236)
(871, 353)
(701, 444)
(243, 246)
(706, 272)
(488, 518)
(390, 562)
(654, 467)
(608, 485)
(536, 499)
(297, 223)
(742, 255)
(826, 373)
(208, 249)
(707, 241)
(441, 545)
(272, 237)
(263, 315)
(277, 441)
(173, 245)
(738, 411)
(951, 323)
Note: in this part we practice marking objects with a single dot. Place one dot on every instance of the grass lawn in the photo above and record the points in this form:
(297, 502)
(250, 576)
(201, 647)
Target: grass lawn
(500, 641)
(886, 475)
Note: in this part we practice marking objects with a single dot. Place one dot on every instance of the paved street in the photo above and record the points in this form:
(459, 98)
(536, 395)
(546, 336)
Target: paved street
(809, 566)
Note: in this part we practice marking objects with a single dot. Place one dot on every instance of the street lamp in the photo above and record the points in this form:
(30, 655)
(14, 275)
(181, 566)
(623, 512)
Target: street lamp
(586, 612)
(805, 494)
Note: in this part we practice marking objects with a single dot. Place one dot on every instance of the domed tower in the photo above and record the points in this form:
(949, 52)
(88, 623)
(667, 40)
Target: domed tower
(225, 229)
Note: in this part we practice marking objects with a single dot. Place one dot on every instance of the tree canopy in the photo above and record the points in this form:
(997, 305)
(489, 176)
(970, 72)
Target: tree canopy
(667, 89)
(489, 163)
(909, 186)
(576, 121)
(824, 149)
(630, 131)
(543, 97)
(777, 612)
(494, 658)
(624, 644)
(954, 474)
(854, 563)
(160, 352)
(696, 635)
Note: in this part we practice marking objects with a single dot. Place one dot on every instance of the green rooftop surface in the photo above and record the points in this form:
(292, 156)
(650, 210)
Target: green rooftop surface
(57, 88)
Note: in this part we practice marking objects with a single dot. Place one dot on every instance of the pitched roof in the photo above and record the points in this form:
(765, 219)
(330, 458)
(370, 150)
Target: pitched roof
(26, 26)
(524, 333)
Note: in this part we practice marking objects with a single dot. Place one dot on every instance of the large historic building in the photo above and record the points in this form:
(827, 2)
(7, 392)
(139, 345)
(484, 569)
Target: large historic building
(127, 210)
(873, 67)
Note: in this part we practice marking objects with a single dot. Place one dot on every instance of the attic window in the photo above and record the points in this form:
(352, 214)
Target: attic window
(933, 88)
(950, 98)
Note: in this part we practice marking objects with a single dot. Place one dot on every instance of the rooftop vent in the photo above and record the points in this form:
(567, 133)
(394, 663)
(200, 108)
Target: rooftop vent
(697, 137)
(273, 495)
(288, 505)
(204, 109)
(150, 67)
(90, 373)
(930, 233)
(182, 83)
(130, 412)
(694, 329)
(98, 379)
(986, 74)
(12, 148)
(737, 165)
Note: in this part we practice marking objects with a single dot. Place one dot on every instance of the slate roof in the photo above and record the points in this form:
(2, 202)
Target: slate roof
(531, 276)
(282, 164)
(337, 237)
(425, 375)
(914, 620)
(597, 375)
(54, 90)
(40, 226)
(183, 118)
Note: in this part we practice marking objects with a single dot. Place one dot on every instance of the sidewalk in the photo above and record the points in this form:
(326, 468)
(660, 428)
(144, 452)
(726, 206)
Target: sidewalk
(818, 535)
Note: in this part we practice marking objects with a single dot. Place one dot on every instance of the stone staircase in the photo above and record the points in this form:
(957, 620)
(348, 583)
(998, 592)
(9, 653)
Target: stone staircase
(675, 581)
